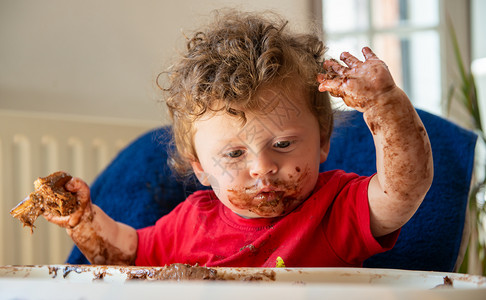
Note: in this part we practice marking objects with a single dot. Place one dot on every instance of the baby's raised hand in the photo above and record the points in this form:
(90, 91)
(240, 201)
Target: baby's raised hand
(360, 84)
(84, 211)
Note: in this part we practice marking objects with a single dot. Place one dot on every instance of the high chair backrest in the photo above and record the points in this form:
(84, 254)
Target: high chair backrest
(138, 187)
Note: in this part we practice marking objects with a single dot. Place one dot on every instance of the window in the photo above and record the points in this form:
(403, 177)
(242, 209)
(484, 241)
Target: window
(403, 33)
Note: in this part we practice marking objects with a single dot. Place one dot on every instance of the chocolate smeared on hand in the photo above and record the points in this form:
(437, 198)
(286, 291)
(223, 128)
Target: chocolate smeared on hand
(50, 196)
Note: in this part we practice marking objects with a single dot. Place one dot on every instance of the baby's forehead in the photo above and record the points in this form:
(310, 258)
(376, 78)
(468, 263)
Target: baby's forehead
(281, 100)
(271, 108)
(285, 100)
(286, 93)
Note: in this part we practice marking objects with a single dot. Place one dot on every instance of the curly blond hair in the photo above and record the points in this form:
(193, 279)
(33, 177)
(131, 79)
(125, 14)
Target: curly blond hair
(226, 63)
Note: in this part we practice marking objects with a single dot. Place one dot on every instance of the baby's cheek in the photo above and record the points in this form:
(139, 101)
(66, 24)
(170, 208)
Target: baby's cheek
(240, 199)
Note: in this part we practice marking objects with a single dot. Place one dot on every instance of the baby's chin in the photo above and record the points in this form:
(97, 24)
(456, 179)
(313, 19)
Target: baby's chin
(269, 210)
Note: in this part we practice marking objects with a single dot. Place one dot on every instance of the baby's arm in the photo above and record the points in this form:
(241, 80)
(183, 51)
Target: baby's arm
(403, 152)
(100, 238)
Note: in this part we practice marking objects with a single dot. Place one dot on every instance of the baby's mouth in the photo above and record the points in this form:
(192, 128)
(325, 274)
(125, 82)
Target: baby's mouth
(270, 197)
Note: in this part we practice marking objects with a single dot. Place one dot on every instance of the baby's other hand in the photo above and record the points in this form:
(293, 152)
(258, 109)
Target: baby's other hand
(360, 84)
(82, 192)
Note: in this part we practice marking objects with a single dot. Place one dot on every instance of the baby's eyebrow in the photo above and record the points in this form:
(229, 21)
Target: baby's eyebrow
(227, 140)
(227, 143)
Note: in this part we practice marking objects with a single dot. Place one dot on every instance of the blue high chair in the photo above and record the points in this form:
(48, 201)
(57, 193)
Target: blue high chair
(138, 187)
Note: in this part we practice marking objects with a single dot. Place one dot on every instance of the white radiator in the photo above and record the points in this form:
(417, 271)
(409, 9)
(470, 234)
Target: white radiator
(34, 146)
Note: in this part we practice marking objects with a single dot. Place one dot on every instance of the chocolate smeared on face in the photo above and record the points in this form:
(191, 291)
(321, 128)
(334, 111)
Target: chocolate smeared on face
(275, 197)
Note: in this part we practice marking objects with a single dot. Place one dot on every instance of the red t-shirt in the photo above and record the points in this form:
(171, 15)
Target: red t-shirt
(330, 229)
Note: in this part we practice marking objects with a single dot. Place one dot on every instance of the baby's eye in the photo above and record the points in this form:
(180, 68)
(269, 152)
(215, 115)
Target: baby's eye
(235, 153)
(282, 144)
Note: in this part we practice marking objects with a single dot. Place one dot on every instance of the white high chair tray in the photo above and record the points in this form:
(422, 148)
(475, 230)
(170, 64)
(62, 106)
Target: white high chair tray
(115, 282)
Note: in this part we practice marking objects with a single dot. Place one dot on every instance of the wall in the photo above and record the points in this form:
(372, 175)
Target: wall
(34, 146)
(100, 58)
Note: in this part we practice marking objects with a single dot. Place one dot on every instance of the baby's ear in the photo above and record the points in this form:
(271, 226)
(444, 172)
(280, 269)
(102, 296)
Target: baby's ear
(200, 174)
(325, 146)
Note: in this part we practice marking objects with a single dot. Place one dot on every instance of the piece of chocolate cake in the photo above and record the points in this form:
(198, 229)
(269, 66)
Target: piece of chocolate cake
(49, 195)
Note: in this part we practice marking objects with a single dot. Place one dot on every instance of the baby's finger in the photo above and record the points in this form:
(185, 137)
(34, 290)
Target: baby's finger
(321, 77)
(350, 60)
(74, 185)
(69, 221)
(368, 53)
(78, 186)
(59, 220)
(75, 218)
(331, 86)
(333, 66)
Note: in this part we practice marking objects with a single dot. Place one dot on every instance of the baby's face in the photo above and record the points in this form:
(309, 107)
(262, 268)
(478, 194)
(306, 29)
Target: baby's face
(267, 166)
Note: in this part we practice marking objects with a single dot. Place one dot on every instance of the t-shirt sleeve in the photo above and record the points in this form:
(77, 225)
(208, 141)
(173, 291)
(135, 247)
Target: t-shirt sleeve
(348, 230)
(145, 235)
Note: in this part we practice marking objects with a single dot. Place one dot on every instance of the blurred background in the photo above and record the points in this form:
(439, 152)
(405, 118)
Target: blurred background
(77, 78)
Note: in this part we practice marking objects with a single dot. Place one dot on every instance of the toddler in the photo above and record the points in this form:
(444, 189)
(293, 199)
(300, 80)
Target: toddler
(252, 119)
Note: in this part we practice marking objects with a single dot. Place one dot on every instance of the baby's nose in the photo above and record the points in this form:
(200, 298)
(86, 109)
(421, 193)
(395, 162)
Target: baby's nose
(263, 165)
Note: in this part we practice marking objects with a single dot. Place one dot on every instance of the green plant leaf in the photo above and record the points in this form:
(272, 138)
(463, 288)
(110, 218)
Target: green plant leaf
(467, 95)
